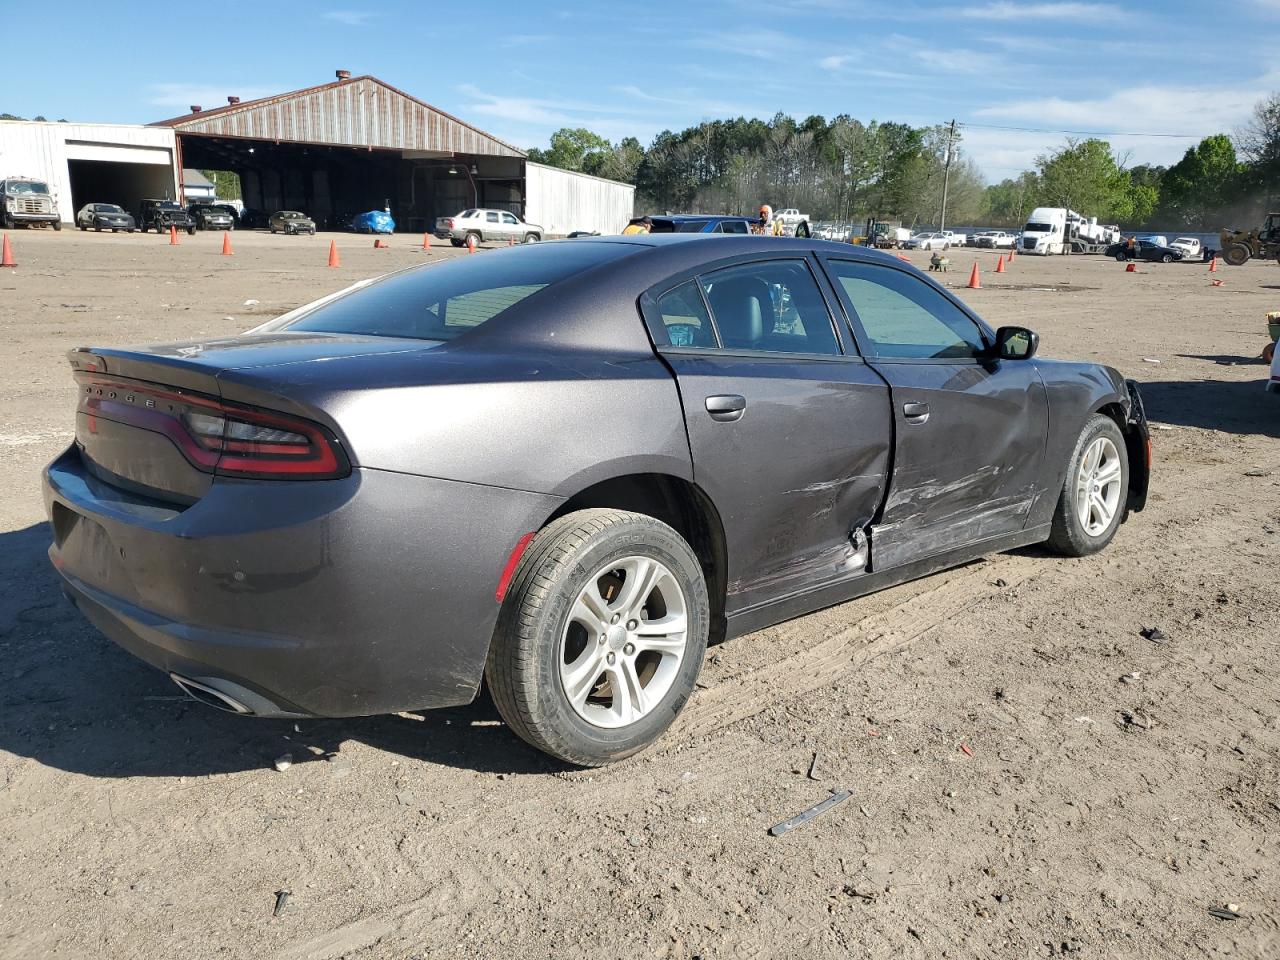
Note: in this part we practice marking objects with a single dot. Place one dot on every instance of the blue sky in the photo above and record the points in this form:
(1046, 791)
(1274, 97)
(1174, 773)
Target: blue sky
(522, 69)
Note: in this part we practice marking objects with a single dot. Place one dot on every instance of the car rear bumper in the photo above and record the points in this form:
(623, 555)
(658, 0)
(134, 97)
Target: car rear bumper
(364, 595)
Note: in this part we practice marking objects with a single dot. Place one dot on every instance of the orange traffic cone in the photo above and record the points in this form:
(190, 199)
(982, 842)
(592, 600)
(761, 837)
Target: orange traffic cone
(1000, 264)
(975, 280)
(471, 243)
(511, 241)
(6, 260)
(173, 235)
(1131, 268)
(426, 241)
(1213, 265)
(333, 254)
(1216, 282)
(1012, 252)
(226, 244)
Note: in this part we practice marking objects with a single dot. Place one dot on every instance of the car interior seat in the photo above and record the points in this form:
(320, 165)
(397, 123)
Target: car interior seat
(740, 306)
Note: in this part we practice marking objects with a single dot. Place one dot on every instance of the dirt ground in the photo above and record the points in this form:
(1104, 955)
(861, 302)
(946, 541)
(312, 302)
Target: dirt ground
(1030, 776)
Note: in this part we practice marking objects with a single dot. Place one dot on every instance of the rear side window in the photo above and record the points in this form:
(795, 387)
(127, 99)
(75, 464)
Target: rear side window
(772, 306)
(902, 316)
(684, 318)
(445, 300)
(733, 226)
(691, 226)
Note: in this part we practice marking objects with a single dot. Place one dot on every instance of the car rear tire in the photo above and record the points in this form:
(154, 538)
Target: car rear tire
(583, 666)
(1095, 492)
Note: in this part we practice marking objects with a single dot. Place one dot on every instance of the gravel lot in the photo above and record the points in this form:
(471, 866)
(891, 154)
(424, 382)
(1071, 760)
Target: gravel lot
(1013, 796)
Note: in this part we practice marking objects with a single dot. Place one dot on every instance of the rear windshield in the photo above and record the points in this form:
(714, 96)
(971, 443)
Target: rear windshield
(444, 301)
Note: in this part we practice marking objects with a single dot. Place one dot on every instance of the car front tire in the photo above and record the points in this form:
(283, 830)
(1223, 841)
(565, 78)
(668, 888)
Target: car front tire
(601, 636)
(1167, 258)
(1095, 493)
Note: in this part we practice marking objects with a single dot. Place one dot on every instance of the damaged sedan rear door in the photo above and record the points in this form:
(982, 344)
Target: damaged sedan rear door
(789, 429)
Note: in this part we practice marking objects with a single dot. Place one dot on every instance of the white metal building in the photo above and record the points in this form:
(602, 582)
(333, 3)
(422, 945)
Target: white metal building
(91, 162)
(561, 201)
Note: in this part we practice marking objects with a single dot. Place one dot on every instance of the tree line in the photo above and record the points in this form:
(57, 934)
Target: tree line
(847, 170)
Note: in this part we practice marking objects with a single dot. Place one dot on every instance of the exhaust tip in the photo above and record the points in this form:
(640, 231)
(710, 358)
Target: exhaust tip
(208, 695)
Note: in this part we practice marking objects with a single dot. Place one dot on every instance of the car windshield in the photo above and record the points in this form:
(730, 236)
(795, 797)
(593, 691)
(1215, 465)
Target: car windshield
(18, 187)
(289, 215)
(445, 300)
(1038, 228)
(107, 208)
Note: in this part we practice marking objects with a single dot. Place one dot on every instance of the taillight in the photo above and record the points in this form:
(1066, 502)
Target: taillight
(222, 438)
(448, 223)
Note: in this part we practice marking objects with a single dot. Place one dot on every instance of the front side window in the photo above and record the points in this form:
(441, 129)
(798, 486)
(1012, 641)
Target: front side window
(508, 218)
(902, 316)
(772, 306)
(685, 322)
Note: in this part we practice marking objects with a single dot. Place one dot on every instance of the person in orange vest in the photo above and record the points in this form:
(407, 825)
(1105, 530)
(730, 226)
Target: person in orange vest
(638, 226)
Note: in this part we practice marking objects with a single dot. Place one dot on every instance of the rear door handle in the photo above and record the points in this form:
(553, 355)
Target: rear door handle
(915, 412)
(726, 407)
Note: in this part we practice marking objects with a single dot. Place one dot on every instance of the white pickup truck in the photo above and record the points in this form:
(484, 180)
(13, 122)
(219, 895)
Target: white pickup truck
(795, 223)
(953, 238)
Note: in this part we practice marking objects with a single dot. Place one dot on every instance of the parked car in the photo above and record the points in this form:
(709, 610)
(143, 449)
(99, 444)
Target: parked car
(1143, 250)
(927, 241)
(995, 239)
(499, 225)
(1189, 246)
(291, 222)
(496, 467)
(794, 223)
(163, 214)
(374, 221)
(27, 202)
(208, 216)
(104, 216)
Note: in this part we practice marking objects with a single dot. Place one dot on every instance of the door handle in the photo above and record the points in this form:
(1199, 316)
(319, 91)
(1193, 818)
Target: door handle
(726, 407)
(915, 412)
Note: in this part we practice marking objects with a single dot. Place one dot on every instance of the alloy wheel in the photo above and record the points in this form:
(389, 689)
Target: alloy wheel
(624, 642)
(1098, 486)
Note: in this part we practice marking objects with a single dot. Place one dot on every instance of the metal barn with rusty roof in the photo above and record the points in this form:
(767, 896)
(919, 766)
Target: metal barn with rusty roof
(359, 144)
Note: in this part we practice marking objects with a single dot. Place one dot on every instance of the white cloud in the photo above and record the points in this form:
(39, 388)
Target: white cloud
(957, 61)
(834, 63)
(206, 95)
(1125, 118)
(1008, 10)
(349, 18)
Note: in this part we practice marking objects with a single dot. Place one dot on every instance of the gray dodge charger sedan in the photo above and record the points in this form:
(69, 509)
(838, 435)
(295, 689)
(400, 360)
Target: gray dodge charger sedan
(561, 469)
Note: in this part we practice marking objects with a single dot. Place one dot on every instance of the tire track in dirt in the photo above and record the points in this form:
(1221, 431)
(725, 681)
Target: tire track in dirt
(802, 668)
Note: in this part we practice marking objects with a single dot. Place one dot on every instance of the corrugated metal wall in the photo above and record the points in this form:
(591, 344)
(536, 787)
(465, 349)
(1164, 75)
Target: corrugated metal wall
(41, 150)
(561, 201)
(360, 113)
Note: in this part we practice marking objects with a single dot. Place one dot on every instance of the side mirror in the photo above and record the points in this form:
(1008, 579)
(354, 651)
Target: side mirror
(1016, 343)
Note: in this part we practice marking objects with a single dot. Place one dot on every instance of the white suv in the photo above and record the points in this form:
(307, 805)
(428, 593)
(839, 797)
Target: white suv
(484, 225)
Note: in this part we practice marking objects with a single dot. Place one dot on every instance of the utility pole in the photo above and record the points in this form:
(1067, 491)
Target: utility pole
(946, 174)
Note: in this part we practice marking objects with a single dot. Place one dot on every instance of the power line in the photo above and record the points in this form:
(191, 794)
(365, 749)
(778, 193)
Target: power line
(1085, 133)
